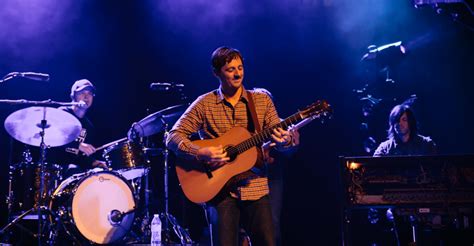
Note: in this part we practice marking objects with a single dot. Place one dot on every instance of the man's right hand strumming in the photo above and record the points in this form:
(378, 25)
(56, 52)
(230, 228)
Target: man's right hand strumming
(213, 156)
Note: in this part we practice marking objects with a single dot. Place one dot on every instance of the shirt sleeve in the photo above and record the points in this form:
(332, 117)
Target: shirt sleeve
(432, 149)
(271, 118)
(381, 150)
(188, 124)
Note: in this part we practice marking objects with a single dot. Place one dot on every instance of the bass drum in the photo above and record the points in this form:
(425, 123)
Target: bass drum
(97, 206)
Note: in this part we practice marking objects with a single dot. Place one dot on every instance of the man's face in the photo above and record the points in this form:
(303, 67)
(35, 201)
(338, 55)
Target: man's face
(403, 128)
(85, 95)
(231, 74)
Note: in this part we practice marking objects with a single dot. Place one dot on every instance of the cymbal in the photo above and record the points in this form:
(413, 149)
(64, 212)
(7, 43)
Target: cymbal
(156, 122)
(61, 128)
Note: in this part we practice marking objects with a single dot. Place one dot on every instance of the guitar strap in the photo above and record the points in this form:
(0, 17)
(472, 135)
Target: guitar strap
(253, 114)
(263, 153)
(257, 128)
(259, 167)
(253, 127)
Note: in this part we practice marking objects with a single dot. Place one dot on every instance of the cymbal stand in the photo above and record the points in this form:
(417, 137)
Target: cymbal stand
(42, 167)
(180, 232)
(145, 220)
(43, 125)
(165, 178)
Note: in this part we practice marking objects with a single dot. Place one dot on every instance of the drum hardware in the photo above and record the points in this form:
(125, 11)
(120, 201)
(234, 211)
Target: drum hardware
(24, 185)
(142, 173)
(27, 158)
(47, 102)
(115, 217)
(154, 123)
(127, 158)
(27, 126)
(166, 214)
(111, 144)
(37, 126)
(96, 206)
(124, 154)
(153, 151)
(180, 232)
(134, 173)
(169, 219)
(42, 211)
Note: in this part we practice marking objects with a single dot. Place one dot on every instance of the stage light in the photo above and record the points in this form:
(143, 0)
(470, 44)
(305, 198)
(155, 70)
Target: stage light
(353, 165)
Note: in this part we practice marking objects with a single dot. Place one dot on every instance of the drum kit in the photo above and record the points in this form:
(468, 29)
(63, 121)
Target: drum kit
(99, 206)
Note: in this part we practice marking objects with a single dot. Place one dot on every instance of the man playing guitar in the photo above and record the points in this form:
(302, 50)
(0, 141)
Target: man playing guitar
(243, 201)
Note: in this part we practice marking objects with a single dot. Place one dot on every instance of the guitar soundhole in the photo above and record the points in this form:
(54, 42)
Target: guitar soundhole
(231, 152)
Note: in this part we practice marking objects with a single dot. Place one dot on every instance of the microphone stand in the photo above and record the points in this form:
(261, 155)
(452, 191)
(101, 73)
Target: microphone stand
(27, 75)
(9, 76)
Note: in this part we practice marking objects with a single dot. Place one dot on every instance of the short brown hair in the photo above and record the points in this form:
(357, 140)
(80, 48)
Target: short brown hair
(222, 56)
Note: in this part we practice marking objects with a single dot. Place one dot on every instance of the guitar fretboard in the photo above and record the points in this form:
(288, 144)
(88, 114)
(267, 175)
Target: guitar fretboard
(263, 136)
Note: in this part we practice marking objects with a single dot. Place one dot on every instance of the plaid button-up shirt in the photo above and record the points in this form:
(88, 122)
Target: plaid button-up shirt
(210, 115)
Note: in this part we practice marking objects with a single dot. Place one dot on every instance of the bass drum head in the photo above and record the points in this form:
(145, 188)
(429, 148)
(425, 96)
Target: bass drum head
(93, 202)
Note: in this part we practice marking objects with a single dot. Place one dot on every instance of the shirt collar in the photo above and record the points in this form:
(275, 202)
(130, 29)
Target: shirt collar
(220, 95)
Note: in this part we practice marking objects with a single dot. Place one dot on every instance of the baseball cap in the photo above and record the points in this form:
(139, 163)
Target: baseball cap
(81, 85)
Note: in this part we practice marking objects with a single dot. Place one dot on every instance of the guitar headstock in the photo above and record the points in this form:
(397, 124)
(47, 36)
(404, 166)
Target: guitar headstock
(318, 109)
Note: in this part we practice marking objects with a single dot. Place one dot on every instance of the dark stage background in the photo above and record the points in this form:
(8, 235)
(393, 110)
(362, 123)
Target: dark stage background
(300, 50)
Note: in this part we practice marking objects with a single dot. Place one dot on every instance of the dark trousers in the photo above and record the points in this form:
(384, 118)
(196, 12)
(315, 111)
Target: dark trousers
(276, 201)
(230, 214)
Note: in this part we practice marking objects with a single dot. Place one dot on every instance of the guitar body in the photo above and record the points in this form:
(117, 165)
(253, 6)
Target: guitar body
(195, 182)
(201, 184)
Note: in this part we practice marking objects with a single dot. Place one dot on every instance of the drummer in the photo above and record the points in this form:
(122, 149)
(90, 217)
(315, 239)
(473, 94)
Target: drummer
(78, 155)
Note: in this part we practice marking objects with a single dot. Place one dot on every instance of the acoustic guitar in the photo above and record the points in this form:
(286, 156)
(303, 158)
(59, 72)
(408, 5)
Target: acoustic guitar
(200, 183)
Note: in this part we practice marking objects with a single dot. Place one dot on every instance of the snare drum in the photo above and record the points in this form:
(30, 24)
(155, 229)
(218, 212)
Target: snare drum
(25, 181)
(124, 155)
(97, 206)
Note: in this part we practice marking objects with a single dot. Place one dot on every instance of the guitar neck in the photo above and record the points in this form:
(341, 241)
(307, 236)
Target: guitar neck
(265, 135)
(303, 123)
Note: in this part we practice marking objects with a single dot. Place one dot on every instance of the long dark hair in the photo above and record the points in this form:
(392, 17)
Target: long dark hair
(395, 116)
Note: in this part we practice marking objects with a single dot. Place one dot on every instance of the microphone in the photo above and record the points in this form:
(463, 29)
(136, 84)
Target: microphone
(165, 86)
(115, 217)
(35, 76)
(81, 104)
(28, 75)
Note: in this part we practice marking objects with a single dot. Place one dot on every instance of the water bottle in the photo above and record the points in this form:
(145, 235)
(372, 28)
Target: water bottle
(156, 231)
